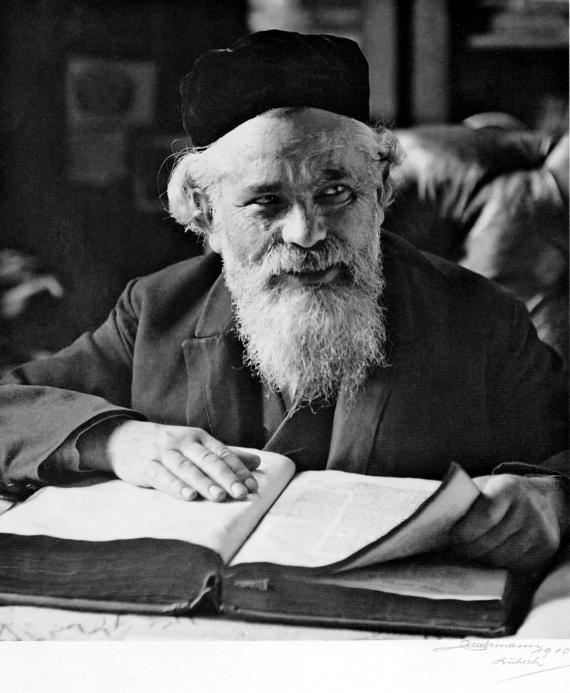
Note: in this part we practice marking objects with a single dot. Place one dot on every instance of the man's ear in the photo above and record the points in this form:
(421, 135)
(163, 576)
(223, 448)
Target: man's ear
(202, 219)
(383, 191)
(202, 214)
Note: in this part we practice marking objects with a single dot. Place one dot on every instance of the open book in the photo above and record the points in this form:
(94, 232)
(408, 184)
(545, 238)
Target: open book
(317, 547)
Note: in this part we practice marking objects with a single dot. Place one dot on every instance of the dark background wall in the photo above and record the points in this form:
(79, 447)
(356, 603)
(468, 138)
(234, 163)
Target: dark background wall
(92, 236)
(509, 57)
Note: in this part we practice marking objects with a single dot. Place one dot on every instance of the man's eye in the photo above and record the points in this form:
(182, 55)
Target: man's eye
(335, 194)
(265, 200)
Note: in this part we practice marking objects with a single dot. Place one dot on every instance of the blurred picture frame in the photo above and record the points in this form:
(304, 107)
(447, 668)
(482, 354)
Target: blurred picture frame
(102, 90)
(104, 100)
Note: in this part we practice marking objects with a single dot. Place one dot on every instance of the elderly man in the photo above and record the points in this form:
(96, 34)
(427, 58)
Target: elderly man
(303, 329)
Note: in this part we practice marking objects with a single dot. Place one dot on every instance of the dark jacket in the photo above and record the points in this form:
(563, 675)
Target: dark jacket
(468, 380)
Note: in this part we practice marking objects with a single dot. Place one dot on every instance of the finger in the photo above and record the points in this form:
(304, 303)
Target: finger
(489, 526)
(528, 558)
(222, 466)
(241, 462)
(514, 551)
(174, 461)
(513, 544)
(485, 514)
(216, 469)
(157, 476)
(191, 477)
(236, 463)
(250, 459)
(494, 546)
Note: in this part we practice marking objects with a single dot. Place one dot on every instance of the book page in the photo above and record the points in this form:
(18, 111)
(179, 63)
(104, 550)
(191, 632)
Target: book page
(427, 529)
(326, 517)
(425, 578)
(5, 505)
(113, 509)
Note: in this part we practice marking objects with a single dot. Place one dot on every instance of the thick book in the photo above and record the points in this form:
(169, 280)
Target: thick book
(324, 547)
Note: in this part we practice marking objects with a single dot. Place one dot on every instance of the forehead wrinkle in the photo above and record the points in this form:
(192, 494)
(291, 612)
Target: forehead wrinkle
(306, 172)
(331, 167)
(308, 158)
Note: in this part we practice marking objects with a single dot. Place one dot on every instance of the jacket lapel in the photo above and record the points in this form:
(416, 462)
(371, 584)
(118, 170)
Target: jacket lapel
(304, 436)
(224, 397)
(356, 424)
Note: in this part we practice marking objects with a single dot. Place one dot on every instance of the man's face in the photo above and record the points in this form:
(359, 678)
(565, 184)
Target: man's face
(298, 182)
(296, 219)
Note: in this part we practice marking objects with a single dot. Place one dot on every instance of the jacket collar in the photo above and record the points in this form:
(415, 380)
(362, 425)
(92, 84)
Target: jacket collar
(216, 315)
(223, 394)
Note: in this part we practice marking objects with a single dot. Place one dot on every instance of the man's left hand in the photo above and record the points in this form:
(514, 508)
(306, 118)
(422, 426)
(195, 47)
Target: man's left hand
(517, 522)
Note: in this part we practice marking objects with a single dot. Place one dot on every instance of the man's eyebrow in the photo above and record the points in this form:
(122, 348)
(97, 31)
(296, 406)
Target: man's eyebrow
(261, 188)
(335, 173)
(267, 187)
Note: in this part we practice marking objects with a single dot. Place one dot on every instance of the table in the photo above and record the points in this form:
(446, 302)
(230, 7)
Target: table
(34, 623)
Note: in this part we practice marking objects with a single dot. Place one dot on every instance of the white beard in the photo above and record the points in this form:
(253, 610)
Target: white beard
(313, 342)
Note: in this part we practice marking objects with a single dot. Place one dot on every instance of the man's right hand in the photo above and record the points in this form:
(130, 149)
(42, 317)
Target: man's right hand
(181, 461)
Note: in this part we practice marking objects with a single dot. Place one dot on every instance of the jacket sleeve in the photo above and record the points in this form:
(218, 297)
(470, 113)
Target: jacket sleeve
(44, 402)
(530, 402)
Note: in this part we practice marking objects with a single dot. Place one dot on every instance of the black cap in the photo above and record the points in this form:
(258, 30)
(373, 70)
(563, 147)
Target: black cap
(273, 69)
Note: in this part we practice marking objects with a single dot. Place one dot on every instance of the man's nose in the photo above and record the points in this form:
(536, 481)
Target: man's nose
(300, 227)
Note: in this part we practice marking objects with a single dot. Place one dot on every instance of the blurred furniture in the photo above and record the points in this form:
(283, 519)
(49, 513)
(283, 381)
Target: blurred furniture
(28, 296)
(493, 197)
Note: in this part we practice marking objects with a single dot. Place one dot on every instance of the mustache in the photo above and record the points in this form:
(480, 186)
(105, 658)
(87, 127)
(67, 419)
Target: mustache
(283, 258)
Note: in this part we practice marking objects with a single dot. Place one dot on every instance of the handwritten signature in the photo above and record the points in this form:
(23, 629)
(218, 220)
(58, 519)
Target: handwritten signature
(527, 658)
(532, 649)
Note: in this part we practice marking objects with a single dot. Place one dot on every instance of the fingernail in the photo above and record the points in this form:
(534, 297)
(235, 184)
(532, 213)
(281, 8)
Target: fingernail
(216, 493)
(238, 490)
(251, 483)
(188, 493)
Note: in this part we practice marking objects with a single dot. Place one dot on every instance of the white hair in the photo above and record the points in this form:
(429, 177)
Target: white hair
(199, 170)
(313, 343)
